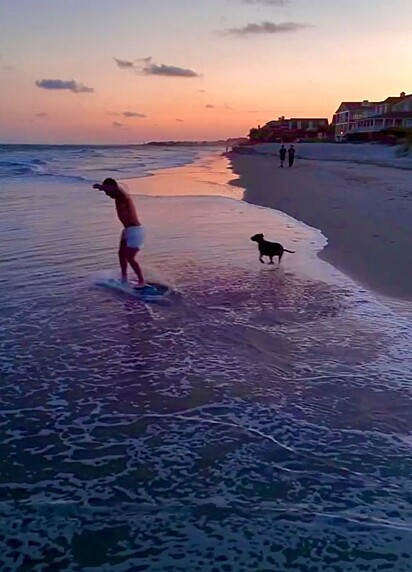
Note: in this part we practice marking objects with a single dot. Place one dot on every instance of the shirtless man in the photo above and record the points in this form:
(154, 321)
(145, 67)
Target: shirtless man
(131, 239)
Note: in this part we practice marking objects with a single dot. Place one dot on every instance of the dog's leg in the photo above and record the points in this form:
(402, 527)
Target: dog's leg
(271, 260)
(280, 257)
(261, 259)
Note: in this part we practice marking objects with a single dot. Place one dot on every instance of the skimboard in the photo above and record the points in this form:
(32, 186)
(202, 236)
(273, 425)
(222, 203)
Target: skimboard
(152, 292)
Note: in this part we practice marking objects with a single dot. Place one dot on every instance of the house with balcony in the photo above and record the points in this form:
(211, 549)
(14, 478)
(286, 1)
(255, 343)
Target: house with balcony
(302, 123)
(308, 124)
(369, 118)
(393, 112)
(348, 114)
(288, 130)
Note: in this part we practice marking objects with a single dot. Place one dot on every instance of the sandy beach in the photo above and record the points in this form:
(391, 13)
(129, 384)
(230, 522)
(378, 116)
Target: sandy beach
(364, 211)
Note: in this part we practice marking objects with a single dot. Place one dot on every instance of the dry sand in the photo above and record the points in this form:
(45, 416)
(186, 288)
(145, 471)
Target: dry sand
(364, 211)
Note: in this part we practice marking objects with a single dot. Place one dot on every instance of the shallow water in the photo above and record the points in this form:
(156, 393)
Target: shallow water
(260, 421)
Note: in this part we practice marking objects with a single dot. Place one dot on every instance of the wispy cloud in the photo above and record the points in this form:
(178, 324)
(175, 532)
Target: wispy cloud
(118, 125)
(266, 28)
(179, 120)
(127, 114)
(124, 64)
(225, 106)
(151, 68)
(133, 114)
(260, 111)
(148, 67)
(60, 84)
(41, 115)
(201, 90)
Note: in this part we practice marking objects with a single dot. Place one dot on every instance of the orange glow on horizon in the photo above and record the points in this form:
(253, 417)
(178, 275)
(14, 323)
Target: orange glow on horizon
(240, 82)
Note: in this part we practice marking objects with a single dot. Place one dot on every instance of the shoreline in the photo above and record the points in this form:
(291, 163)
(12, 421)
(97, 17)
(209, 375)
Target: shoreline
(363, 211)
(207, 175)
(304, 194)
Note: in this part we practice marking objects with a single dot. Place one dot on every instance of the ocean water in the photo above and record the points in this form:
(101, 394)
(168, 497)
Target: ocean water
(259, 421)
(89, 163)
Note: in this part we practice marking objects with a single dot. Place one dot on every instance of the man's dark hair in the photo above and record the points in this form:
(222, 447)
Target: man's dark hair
(110, 181)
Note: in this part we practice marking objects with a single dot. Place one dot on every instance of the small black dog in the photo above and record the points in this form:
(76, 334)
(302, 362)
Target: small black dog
(269, 249)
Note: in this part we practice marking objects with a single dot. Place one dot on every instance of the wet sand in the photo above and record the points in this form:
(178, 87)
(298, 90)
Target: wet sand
(208, 176)
(364, 211)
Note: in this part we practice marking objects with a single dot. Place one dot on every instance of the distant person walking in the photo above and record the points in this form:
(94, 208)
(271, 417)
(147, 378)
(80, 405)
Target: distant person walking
(291, 155)
(282, 155)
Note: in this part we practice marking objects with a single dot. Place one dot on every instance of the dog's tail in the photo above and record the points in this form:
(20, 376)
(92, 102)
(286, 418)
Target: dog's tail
(290, 251)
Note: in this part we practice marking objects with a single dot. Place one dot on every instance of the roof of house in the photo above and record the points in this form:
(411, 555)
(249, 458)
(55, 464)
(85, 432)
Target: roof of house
(351, 103)
(308, 119)
(392, 99)
(355, 105)
(396, 99)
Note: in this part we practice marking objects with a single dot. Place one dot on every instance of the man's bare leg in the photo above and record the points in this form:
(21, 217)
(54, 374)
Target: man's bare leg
(131, 253)
(123, 259)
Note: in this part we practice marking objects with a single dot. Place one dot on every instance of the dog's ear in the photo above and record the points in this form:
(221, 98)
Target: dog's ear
(261, 235)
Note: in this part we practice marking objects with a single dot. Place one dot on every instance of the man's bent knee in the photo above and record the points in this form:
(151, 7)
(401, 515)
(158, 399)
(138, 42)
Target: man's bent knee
(131, 253)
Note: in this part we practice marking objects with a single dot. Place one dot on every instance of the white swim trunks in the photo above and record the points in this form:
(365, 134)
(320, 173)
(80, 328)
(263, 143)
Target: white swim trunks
(133, 236)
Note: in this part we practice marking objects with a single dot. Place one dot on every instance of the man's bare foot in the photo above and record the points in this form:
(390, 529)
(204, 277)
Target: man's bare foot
(124, 279)
(140, 285)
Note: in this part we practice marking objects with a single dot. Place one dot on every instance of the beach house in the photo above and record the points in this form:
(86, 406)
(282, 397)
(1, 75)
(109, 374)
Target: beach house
(368, 118)
(283, 129)
(348, 114)
(302, 123)
(390, 113)
(308, 124)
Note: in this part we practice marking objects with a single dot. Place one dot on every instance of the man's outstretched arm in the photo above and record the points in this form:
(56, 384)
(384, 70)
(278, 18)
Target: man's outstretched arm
(119, 190)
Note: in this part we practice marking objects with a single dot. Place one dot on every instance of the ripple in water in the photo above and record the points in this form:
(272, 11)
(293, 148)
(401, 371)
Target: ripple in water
(258, 422)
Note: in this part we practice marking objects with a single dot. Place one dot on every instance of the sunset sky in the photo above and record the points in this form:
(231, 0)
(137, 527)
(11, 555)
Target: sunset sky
(128, 71)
